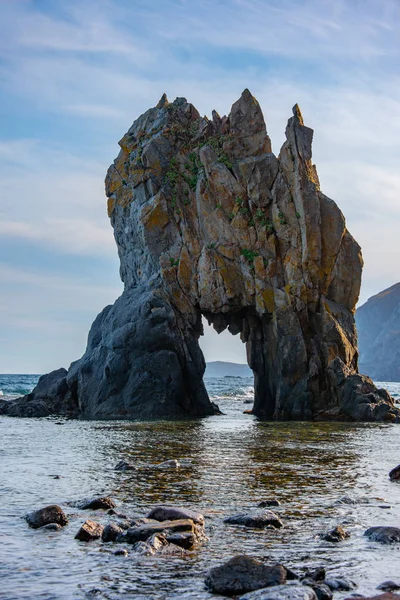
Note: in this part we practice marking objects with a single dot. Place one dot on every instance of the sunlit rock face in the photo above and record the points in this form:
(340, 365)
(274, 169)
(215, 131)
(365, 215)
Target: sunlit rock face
(208, 221)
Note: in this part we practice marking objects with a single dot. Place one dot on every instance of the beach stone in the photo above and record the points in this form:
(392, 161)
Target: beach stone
(257, 520)
(111, 532)
(169, 464)
(45, 516)
(121, 552)
(173, 513)
(266, 503)
(394, 474)
(317, 574)
(52, 527)
(322, 591)
(90, 530)
(383, 534)
(338, 534)
(243, 574)
(122, 465)
(282, 592)
(103, 502)
(340, 584)
(141, 533)
(389, 586)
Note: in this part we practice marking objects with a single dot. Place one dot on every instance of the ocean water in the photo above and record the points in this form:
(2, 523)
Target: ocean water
(324, 474)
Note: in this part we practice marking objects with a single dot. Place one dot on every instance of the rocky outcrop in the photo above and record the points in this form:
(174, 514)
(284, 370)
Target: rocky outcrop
(378, 324)
(208, 221)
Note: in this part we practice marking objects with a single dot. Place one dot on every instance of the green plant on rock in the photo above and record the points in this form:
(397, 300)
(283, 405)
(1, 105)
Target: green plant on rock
(269, 226)
(218, 205)
(174, 261)
(298, 215)
(249, 254)
(211, 246)
(282, 218)
(231, 216)
(216, 144)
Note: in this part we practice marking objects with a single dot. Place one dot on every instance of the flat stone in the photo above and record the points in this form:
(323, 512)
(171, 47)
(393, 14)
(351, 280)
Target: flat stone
(169, 464)
(257, 520)
(173, 513)
(90, 530)
(46, 515)
(340, 584)
(103, 502)
(384, 535)
(144, 532)
(243, 574)
(282, 592)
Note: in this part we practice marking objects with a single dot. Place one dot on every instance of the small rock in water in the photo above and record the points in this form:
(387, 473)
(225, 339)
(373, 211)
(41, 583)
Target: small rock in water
(124, 466)
(282, 592)
(243, 574)
(103, 502)
(340, 584)
(389, 586)
(322, 591)
(121, 552)
(52, 527)
(258, 520)
(395, 473)
(384, 535)
(174, 513)
(169, 464)
(338, 534)
(111, 532)
(90, 530)
(194, 533)
(318, 574)
(46, 515)
(265, 503)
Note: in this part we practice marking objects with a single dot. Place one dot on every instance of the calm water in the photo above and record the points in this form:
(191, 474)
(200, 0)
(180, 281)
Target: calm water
(233, 462)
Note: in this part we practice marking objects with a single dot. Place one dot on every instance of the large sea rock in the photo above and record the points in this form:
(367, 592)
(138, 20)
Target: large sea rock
(208, 221)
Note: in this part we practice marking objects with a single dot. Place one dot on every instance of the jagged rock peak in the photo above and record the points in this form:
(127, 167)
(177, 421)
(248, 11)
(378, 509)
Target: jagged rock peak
(208, 221)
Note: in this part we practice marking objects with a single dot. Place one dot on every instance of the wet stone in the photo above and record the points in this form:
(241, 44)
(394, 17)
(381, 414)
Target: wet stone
(103, 502)
(90, 530)
(111, 532)
(173, 513)
(394, 474)
(322, 591)
(258, 520)
(389, 586)
(52, 527)
(384, 535)
(46, 515)
(340, 584)
(145, 531)
(243, 574)
(338, 534)
(122, 465)
(169, 464)
(385, 596)
(282, 592)
(266, 503)
(318, 574)
(121, 552)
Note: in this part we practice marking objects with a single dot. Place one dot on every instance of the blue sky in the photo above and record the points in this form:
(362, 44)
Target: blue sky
(74, 74)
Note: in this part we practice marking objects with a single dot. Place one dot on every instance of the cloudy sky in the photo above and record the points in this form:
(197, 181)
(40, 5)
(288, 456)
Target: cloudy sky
(74, 74)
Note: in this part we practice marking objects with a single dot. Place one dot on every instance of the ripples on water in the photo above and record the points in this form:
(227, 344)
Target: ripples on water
(234, 461)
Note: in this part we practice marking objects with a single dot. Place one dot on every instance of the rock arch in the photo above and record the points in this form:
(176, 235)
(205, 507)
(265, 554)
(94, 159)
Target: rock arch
(208, 221)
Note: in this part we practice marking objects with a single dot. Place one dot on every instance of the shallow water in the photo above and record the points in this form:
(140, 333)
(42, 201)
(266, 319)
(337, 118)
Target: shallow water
(233, 462)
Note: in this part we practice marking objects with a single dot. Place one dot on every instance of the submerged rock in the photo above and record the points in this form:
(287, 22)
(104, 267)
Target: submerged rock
(258, 520)
(182, 532)
(266, 503)
(45, 516)
(169, 464)
(340, 584)
(103, 502)
(318, 574)
(389, 586)
(90, 530)
(122, 465)
(208, 221)
(173, 513)
(384, 535)
(394, 474)
(282, 592)
(322, 591)
(111, 532)
(338, 534)
(243, 574)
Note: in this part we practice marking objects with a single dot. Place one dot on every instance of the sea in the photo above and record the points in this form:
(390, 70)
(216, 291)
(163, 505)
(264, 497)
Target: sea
(323, 475)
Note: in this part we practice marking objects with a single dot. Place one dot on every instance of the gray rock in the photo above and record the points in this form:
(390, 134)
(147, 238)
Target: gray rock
(282, 592)
(243, 574)
(384, 535)
(266, 503)
(103, 502)
(208, 221)
(318, 574)
(45, 516)
(394, 474)
(141, 533)
(389, 586)
(340, 584)
(90, 530)
(322, 591)
(173, 513)
(338, 534)
(258, 520)
(111, 532)
(122, 465)
(52, 527)
(169, 464)
(121, 552)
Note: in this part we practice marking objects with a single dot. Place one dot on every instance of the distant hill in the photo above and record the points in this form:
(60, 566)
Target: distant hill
(221, 369)
(378, 325)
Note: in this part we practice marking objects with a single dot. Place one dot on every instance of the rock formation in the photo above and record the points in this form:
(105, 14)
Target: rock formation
(378, 324)
(208, 221)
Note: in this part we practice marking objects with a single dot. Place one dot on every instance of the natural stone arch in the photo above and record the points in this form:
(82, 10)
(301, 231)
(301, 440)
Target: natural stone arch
(207, 220)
